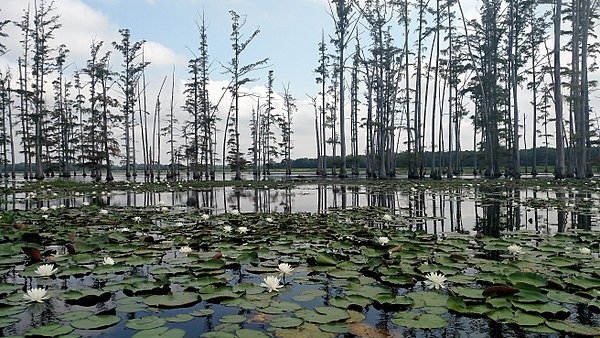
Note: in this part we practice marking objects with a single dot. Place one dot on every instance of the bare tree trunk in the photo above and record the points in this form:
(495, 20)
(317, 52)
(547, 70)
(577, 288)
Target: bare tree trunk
(559, 170)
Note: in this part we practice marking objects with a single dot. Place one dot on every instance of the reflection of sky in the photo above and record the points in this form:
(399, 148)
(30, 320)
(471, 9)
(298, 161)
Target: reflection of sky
(456, 209)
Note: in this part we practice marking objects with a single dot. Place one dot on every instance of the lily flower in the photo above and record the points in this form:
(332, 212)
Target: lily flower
(37, 295)
(137, 219)
(435, 280)
(185, 250)
(85, 204)
(243, 230)
(45, 270)
(383, 240)
(271, 283)
(227, 228)
(103, 212)
(515, 249)
(108, 261)
(585, 251)
(285, 269)
(44, 209)
(179, 224)
(205, 217)
(269, 219)
(235, 212)
(387, 217)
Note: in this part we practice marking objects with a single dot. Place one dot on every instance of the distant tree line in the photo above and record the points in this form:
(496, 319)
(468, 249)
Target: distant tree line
(90, 120)
(405, 75)
(425, 68)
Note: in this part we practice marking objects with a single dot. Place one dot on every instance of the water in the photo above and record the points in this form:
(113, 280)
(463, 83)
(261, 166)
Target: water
(466, 208)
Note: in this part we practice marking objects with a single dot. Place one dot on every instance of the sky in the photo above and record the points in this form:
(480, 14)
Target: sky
(290, 31)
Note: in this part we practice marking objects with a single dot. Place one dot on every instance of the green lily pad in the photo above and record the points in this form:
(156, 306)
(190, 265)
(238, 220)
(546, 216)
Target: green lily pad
(161, 332)
(180, 318)
(583, 282)
(469, 292)
(323, 314)
(233, 319)
(145, 323)
(428, 298)
(50, 330)
(419, 320)
(543, 308)
(286, 322)
(75, 315)
(525, 319)
(573, 328)
(309, 295)
(339, 328)
(8, 321)
(174, 300)
(458, 305)
(249, 333)
(96, 322)
(565, 297)
(528, 278)
(202, 312)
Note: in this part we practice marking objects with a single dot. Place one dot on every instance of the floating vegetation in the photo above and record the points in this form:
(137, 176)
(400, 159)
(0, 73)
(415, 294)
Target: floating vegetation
(147, 272)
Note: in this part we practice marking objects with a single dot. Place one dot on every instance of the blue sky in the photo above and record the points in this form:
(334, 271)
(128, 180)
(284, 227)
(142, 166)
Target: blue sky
(290, 33)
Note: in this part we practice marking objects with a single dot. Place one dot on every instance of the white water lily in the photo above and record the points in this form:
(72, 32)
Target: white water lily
(383, 240)
(271, 283)
(285, 269)
(45, 270)
(185, 250)
(205, 217)
(235, 212)
(435, 280)
(387, 217)
(515, 249)
(103, 212)
(124, 230)
(36, 295)
(242, 230)
(585, 251)
(85, 204)
(45, 216)
(164, 209)
(54, 207)
(227, 228)
(269, 219)
(108, 261)
(137, 219)
(44, 209)
(179, 224)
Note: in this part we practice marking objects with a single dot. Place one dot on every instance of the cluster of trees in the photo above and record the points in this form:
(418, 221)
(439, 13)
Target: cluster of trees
(446, 68)
(95, 116)
(405, 72)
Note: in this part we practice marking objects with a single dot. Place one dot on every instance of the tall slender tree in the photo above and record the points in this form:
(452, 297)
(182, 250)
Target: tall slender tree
(129, 76)
(45, 24)
(239, 73)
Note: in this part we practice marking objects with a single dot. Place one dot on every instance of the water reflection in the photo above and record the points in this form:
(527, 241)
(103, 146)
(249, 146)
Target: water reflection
(463, 209)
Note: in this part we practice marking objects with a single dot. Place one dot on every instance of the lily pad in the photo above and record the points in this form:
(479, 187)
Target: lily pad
(173, 300)
(286, 322)
(160, 332)
(50, 330)
(145, 323)
(573, 328)
(419, 320)
(96, 322)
